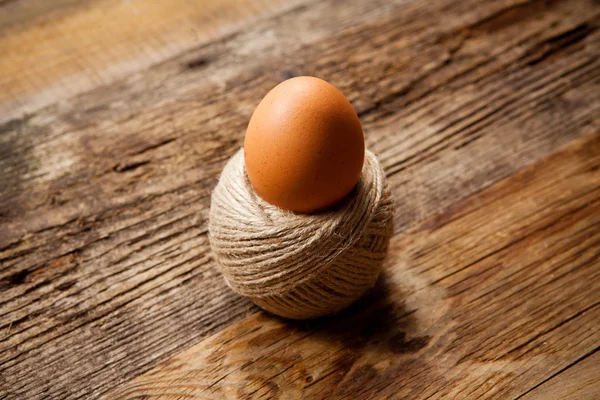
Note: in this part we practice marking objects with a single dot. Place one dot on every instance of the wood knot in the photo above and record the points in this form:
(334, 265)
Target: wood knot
(198, 62)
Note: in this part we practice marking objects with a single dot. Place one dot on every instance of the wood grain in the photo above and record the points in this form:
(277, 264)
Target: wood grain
(104, 264)
(53, 50)
(579, 382)
(471, 305)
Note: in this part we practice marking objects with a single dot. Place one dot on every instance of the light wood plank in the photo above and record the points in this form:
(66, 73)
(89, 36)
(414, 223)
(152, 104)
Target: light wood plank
(578, 382)
(51, 50)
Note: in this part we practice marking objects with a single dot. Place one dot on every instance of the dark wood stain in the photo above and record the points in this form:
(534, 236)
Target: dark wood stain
(398, 344)
(197, 63)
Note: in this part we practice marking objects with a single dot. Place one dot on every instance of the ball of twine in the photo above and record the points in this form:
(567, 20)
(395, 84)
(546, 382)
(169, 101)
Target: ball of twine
(300, 265)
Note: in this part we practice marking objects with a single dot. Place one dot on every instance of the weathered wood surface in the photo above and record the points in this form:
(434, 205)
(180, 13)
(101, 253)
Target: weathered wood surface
(105, 269)
(472, 304)
(580, 382)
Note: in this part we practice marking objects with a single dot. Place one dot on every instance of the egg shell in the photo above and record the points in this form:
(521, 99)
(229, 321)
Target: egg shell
(304, 147)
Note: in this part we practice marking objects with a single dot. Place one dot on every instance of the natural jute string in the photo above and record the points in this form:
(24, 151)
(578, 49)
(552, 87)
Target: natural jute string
(300, 265)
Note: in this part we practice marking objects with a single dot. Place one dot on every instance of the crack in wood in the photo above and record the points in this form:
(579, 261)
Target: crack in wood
(130, 166)
(550, 47)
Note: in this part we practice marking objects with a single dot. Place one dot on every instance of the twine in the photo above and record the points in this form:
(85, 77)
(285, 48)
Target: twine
(300, 265)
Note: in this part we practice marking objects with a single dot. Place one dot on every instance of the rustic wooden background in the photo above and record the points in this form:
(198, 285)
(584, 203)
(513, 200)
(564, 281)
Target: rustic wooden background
(117, 116)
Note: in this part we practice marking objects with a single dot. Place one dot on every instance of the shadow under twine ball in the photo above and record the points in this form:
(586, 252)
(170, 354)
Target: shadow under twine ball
(301, 218)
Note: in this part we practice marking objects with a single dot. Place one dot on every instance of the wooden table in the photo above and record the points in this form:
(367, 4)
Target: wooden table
(116, 118)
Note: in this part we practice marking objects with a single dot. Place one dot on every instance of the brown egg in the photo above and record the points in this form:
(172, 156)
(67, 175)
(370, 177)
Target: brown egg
(304, 147)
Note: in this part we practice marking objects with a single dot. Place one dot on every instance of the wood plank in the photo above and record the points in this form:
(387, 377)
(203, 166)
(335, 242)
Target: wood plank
(104, 263)
(53, 50)
(485, 301)
(578, 382)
